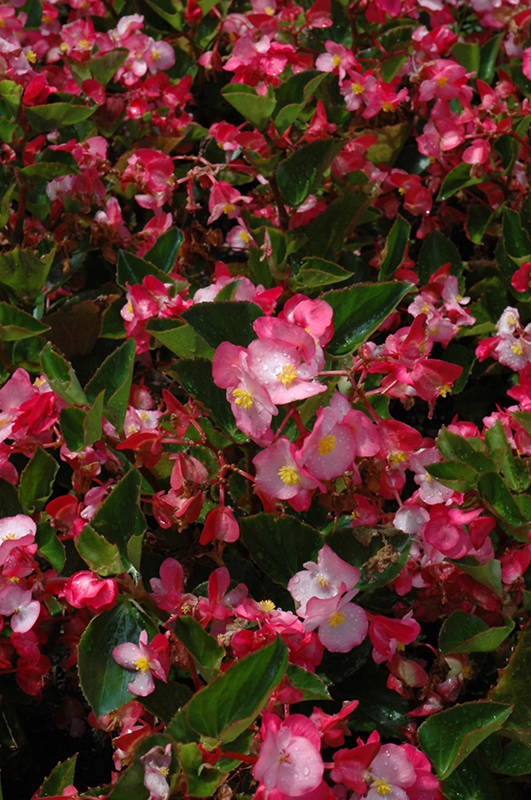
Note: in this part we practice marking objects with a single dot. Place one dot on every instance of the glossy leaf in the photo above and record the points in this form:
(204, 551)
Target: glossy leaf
(498, 499)
(395, 248)
(450, 736)
(477, 223)
(132, 269)
(101, 556)
(512, 468)
(311, 685)
(201, 782)
(469, 451)
(292, 97)
(49, 546)
(181, 339)
(256, 109)
(488, 574)
(200, 644)
(119, 517)
(61, 376)
(24, 271)
(104, 67)
(465, 633)
(230, 703)
(515, 238)
(103, 681)
(164, 252)
(167, 699)
(224, 322)
(319, 273)
(515, 759)
(15, 324)
(471, 781)
(266, 537)
(298, 174)
(114, 378)
(59, 778)
(458, 178)
(435, 252)
(455, 475)
(82, 428)
(56, 115)
(514, 686)
(36, 481)
(359, 310)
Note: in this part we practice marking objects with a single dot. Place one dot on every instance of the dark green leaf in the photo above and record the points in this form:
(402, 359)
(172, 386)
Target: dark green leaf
(488, 55)
(478, 220)
(458, 448)
(56, 115)
(395, 248)
(61, 376)
(44, 171)
(103, 681)
(9, 502)
(454, 474)
(488, 574)
(15, 324)
(292, 97)
(36, 481)
(266, 537)
(459, 177)
(114, 377)
(101, 556)
(104, 67)
(24, 271)
(512, 468)
(49, 546)
(201, 782)
(471, 781)
(60, 777)
(72, 419)
(497, 498)
(359, 310)
(450, 736)
(256, 109)
(224, 322)
(164, 252)
(132, 269)
(310, 685)
(468, 55)
(230, 703)
(514, 686)
(515, 759)
(298, 174)
(435, 252)
(465, 633)
(167, 699)
(200, 644)
(318, 273)
(119, 517)
(515, 239)
(180, 338)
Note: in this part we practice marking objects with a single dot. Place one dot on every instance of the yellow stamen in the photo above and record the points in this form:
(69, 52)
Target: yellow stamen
(31, 56)
(327, 445)
(442, 81)
(287, 374)
(336, 61)
(444, 390)
(381, 787)
(83, 44)
(243, 398)
(397, 458)
(228, 207)
(337, 618)
(467, 672)
(357, 88)
(388, 108)
(517, 349)
(289, 476)
(142, 664)
(321, 580)
(155, 55)
(267, 605)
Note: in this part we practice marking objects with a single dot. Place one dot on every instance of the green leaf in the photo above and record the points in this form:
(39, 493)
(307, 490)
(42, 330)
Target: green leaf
(59, 778)
(454, 474)
(312, 687)
(450, 736)
(292, 97)
(326, 234)
(119, 517)
(488, 55)
(318, 273)
(103, 681)
(15, 324)
(103, 68)
(395, 248)
(390, 141)
(9, 502)
(298, 174)
(195, 375)
(167, 699)
(468, 55)
(514, 686)
(230, 703)
(515, 759)
(132, 269)
(180, 338)
(497, 498)
(56, 115)
(200, 644)
(515, 239)
(266, 537)
(256, 109)
(458, 448)
(49, 546)
(45, 171)
(164, 252)
(465, 633)
(201, 782)
(471, 781)
(82, 428)
(101, 556)
(114, 378)
(224, 322)
(24, 271)
(478, 219)
(436, 251)
(10, 97)
(512, 468)
(459, 177)
(488, 574)
(36, 481)
(359, 310)
(61, 376)
(129, 785)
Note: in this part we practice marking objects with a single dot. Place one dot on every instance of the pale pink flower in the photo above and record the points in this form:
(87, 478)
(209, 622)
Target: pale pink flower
(156, 763)
(290, 758)
(146, 660)
(341, 624)
(18, 603)
(323, 580)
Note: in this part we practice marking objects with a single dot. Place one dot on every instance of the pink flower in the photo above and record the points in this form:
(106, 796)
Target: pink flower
(147, 660)
(323, 580)
(156, 764)
(341, 624)
(290, 758)
(220, 524)
(86, 590)
(387, 635)
(17, 603)
(279, 474)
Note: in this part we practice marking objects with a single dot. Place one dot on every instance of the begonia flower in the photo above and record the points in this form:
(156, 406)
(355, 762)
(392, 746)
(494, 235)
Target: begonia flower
(147, 660)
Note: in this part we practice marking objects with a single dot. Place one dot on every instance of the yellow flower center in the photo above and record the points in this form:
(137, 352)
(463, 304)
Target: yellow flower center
(388, 107)
(287, 374)
(442, 81)
(517, 349)
(327, 445)
(269, 10)
(83, 44)
(397, 458)
(381, 787)
(228, 207)
(337, 618)
(336, 61)
(511, 320)
(289, 476)
(267, 605)
(164, 771)
(30, 55)
(155, 55)
(321, 580)
(357, 88)
(444, 390)
(8, 536)
(243, 398)
(142, 664)
(245, 237)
